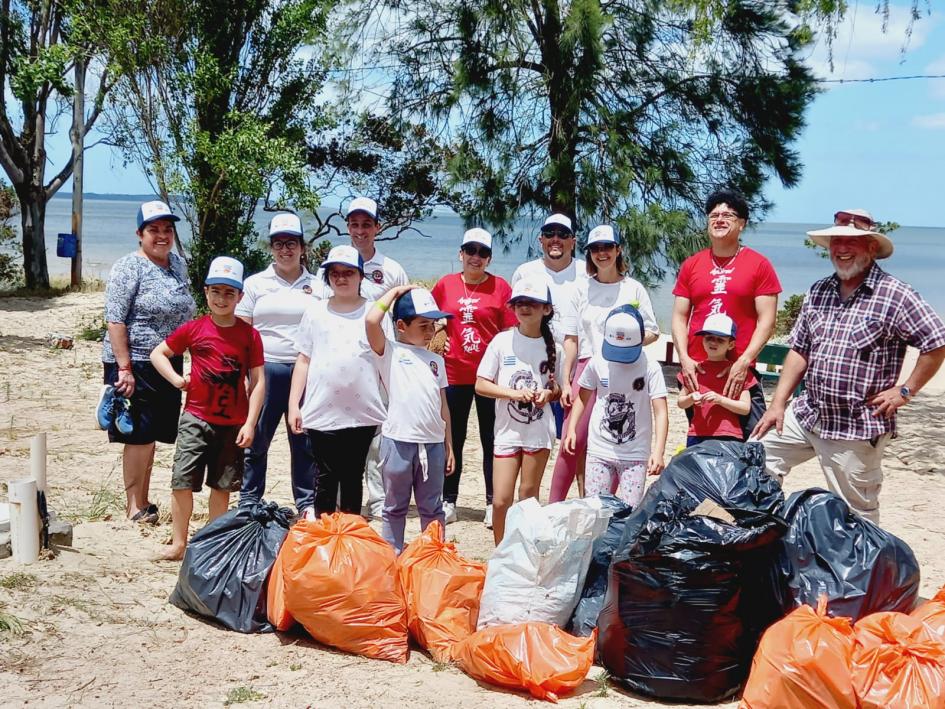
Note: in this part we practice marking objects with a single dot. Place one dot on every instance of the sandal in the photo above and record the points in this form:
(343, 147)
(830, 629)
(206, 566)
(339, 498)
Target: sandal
(145, 516)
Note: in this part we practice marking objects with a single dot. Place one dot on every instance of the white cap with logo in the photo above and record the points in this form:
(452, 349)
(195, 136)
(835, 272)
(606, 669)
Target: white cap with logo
(285, 223)
(718, 324)
(603, 234)
(344, 255)
(362, 204)
(558, 220)
(531, 288)
(478, 236)
(623, 335)
(225, 271)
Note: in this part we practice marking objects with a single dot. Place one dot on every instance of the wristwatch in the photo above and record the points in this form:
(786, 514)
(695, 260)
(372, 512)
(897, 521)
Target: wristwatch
(905, 392)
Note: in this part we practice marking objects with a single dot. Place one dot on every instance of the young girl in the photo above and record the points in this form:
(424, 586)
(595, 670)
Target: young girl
(627, 386)
(521, 366)
(335, 369)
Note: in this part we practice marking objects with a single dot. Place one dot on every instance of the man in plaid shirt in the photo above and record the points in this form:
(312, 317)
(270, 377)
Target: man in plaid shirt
(849, 343)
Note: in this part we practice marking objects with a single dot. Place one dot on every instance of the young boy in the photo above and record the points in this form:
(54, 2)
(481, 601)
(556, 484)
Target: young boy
(219, 419)
(715, 416)
(415, 445)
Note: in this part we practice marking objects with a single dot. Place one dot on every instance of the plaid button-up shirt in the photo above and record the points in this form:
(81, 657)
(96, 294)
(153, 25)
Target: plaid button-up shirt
(855, 349)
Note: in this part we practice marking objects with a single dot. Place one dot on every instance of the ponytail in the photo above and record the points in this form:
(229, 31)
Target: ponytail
(549, 339)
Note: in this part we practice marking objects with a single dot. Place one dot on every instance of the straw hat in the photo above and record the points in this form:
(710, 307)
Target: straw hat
(821, 237)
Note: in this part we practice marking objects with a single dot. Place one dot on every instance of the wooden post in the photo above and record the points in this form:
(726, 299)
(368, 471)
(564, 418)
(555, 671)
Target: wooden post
(77, 136)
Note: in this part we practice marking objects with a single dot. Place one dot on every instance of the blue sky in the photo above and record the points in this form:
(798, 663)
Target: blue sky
(880, 146)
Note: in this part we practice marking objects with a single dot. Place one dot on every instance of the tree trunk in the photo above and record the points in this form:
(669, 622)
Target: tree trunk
(33, 223)
(77, 137)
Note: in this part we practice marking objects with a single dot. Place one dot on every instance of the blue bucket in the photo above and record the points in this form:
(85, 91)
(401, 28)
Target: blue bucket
(66, 246)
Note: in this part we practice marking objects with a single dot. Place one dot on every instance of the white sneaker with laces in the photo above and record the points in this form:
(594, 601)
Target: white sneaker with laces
(487, 520)
(449, 512)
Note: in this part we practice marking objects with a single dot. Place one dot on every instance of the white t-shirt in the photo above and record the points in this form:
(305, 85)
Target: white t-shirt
(380, 275)
(276, 307)
(621, 425)
(561, 284)
(343, 389)
(413, 377)
(518, 362)
(592, 302)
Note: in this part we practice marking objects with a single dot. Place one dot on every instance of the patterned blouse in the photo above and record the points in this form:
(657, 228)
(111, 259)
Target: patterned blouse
(150, 300)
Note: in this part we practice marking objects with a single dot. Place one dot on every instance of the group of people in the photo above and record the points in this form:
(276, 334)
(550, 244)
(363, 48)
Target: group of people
(344, 357)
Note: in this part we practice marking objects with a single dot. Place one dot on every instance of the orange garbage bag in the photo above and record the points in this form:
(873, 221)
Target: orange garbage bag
(276, 611)
(898, 663)
(341, 584)
(442, 591)
(538, 657)
(803, 662)
(932, 614)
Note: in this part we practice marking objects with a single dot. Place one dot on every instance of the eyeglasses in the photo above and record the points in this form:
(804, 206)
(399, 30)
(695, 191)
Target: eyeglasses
(288, 245)
(473, 250)
(603, 246)
(723, 217)
(845, 219)
(556, 234)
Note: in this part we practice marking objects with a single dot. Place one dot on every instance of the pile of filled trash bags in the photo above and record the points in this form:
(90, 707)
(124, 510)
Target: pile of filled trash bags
(714, 577)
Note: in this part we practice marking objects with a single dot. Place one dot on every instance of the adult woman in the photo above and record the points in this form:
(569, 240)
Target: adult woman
(478, 302)
(147, 297)
(606, 287)
(274, 302)
(336, 370)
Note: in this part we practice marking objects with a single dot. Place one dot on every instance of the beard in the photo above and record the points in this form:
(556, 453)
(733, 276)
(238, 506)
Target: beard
(851, 269)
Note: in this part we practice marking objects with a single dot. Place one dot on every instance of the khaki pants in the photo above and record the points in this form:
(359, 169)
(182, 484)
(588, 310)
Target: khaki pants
(854, 469)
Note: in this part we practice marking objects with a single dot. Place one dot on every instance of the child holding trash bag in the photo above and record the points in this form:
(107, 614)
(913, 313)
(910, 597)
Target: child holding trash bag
(520, 369)
(715, 416)
(416, 452)
(219, 417)
(630, 401)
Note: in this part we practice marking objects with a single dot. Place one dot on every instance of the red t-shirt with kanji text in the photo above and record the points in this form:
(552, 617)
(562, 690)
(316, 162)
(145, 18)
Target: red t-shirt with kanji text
(730, 288)
(479, 313)
(713, 419)
(220, 360)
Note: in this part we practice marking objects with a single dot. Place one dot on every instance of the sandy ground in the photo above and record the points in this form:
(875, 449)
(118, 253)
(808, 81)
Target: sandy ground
(97, 627)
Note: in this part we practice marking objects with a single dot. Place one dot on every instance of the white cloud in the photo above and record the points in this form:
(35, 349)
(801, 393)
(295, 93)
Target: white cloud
(932, 121)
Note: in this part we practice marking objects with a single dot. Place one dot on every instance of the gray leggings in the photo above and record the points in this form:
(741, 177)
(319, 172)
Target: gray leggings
(406, 467)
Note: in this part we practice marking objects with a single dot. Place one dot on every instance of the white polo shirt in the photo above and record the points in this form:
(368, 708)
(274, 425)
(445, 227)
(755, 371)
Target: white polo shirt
(561, 284)
(380, 275)
(276, 307)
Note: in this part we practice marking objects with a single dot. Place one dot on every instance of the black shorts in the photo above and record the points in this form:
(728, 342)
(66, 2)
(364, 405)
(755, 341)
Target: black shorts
(155, 404)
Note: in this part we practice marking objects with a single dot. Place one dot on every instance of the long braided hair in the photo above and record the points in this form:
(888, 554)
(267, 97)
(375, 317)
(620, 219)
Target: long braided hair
(549, 339)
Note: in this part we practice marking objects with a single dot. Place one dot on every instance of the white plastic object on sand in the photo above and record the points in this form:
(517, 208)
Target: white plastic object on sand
(538, 570)
(4, 517)
(24, 521)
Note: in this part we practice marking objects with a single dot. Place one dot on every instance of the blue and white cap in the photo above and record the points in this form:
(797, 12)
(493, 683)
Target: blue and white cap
(225, 271)
(362, 204)
(531, 288)
(152, 211)
(418, 302)
(603, 234)
(560, 220)
(285, 224)
(718, 324)
(344, 255)
(623, 335)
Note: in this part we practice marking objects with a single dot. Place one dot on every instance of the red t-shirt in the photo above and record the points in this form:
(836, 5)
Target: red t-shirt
(479, 313)
(731, 289)
(713, 419)
(220, 359)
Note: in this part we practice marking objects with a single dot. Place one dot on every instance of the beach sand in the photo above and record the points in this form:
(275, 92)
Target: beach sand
(99, 630)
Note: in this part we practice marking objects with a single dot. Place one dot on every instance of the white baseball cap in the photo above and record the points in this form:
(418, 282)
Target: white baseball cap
(558, 220)
(418, 302)
(623, 335)
(478, 236)
(154, 210)
(285, 224)
(603, 234)
(362, 204)
(718, 324)
(344, 255)
(225, 271)
(531, 288)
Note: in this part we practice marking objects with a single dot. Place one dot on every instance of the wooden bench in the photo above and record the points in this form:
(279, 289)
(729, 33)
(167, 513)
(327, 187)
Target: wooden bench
(769, 363)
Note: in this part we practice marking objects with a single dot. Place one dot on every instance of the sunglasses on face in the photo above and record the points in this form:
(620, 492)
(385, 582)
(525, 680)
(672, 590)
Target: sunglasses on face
(846, 219)
(480, 251)
(597, 248)
(556, 234)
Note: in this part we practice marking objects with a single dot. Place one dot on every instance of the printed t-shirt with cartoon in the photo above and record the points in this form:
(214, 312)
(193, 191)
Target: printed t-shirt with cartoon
(518, 362)
(621, 424)
(479, 313)
(220, 360)
(560, 283)
(712, 419)
(380, 275)
(343, 388)
(591, 303)
(413, 377)
(276, 307)
(730, 288)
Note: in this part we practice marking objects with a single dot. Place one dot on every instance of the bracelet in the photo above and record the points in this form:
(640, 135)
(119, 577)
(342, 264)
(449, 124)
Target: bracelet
(380, 306)
(126, 368)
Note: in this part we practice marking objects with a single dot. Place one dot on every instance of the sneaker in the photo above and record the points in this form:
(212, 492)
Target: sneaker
(309, 514)
(487, 520)
(449, 512)
(123, 420)
(105, 409)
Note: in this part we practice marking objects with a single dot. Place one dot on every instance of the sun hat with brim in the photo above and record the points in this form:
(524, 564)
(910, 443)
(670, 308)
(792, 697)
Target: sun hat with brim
(154, 210)
(225, 271)
(418, 302)
(822, 237)
(535, 289)
(623, 335)
(344, 255)
(285, 224)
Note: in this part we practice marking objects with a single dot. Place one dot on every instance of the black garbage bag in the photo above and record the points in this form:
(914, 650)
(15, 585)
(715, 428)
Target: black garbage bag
(227, 563)
(675, 623)
(829, 549)
(584, 620)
